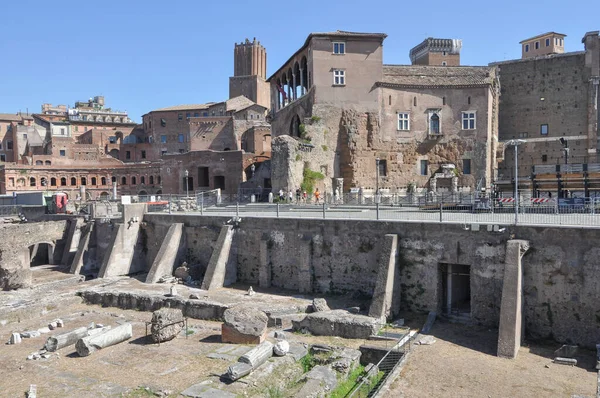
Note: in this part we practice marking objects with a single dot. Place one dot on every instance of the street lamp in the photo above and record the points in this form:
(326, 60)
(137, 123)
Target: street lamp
(516, 144)
(377, 160)
(252, 169)
(187, 185)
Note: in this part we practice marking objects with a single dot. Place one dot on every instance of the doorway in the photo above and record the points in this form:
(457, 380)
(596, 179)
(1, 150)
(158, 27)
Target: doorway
(455, 293)
(41, 254)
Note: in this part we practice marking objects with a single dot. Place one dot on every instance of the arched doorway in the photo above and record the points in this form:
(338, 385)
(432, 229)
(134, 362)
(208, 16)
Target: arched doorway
(104, 196)
(41, 254)
(295, 126)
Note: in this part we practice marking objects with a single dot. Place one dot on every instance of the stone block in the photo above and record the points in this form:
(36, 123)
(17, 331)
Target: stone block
(281, 348)
(319, 382)
(319, 304)
(339, 323)
(167, 323)
(244, 325)
(203, 390)
(15, 338)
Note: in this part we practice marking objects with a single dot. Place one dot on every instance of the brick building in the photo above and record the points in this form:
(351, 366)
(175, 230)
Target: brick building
(8, 123)
(549, 99)
(363, 124)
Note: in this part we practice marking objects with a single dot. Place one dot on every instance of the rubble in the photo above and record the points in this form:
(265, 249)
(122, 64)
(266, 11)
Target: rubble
(182, 272)
(565, 361)
(15, 338)
(258, 354)
(251, 292)
(30, 334)
(319, 305)
(281, 348)
(167, 323)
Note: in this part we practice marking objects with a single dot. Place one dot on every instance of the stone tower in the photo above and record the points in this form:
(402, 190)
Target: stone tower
(440, 52)
(250, 73)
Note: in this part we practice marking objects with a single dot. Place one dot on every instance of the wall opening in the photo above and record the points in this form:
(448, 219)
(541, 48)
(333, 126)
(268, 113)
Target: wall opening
(219, 182)
(455, 292)
(41, 254)
(203, 180)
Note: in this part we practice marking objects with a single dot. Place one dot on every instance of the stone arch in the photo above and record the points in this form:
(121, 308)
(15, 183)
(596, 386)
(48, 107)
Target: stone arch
(304, 74)
(297, 91)
(104, 196)
(41, 253)
(295, 126)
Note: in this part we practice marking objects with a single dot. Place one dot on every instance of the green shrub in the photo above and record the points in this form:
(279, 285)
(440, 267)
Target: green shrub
(315, 119)
(309, 179)
(324, 147)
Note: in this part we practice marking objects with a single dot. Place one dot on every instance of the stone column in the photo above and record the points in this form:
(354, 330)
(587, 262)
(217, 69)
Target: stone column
(511, 321)
(302, 91)
(294, 86)
(386, 297)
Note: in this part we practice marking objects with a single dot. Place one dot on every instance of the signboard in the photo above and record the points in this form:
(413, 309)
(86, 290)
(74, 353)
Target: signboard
(126, 200)
(354, 190)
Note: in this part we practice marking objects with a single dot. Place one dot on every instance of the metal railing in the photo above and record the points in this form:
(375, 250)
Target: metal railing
(500, 211)
(9, 210)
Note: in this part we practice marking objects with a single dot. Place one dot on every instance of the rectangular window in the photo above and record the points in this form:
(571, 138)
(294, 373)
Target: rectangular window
(163, 139)
(163, 152)
(423, 167)
(526, 48)
(544, 129)
(9, 145)
(2, 157)
(403, 121)
(24, 136)
(537, 45)
(128, 155)
(544, 158)
(339, 77)
(182, 151)
(143, 154)
(76, 128)
(466, 166)
(205, 114)
(112, 140)
(63, 152)
(547, 42)
(188, 115)
(468, 120)
(339, 48)
(62, 131)
(180, 116)
(181, 138)
(196, 114)
(383, 168)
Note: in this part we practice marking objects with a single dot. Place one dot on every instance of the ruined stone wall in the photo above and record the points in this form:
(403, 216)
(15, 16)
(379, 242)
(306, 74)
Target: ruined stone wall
(561, 279)
(14, 249)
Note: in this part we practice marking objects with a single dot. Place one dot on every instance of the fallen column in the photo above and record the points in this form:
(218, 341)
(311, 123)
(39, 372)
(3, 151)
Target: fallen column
(88, 345)
(258, 355)
(54, 343)
(238, 370)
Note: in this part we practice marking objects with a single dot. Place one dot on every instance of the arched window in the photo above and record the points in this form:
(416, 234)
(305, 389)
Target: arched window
(43, 181)
(114, 179)
(415, 101)
(434, 124)
(47, 163)
(142, 180)
(94, 180)
(151, 180)
(39, 163)
(158, 178)
(103, 181)
(32, 182)
(83, 181)
(63, 182)
(123, 180)
(133, 180)
(53, 182)
(73, 181)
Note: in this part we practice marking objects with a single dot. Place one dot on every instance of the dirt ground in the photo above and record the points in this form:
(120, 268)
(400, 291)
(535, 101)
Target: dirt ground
(463, 363)
(120, 370)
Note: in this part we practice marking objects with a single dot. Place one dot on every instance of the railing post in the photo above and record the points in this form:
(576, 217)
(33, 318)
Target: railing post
(237, 209)
(377, 210)
(169, 204)
(277, 209)
(202, 203)
(441, 212)
(323, 209)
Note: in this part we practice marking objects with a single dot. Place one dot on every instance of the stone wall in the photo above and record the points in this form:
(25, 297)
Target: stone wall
(561, 275)
(14, 249)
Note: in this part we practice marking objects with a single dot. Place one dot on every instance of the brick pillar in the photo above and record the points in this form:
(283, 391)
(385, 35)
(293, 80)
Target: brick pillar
(511, 321)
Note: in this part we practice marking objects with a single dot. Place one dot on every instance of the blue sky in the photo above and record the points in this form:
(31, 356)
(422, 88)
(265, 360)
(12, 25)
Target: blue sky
(143, 55)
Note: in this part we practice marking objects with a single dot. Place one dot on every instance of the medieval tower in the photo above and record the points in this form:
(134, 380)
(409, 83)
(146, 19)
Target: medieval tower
(250, 73)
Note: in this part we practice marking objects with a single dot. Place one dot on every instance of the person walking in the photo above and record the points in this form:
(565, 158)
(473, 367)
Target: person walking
(317, 195)
(304, 197)
(290, 196)
(298, 195)
(281, 197)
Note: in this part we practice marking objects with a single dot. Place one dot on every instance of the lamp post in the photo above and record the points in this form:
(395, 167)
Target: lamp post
(377, 160)
(565, 149)
(252, 169)
(516, 144)
(187, 185)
